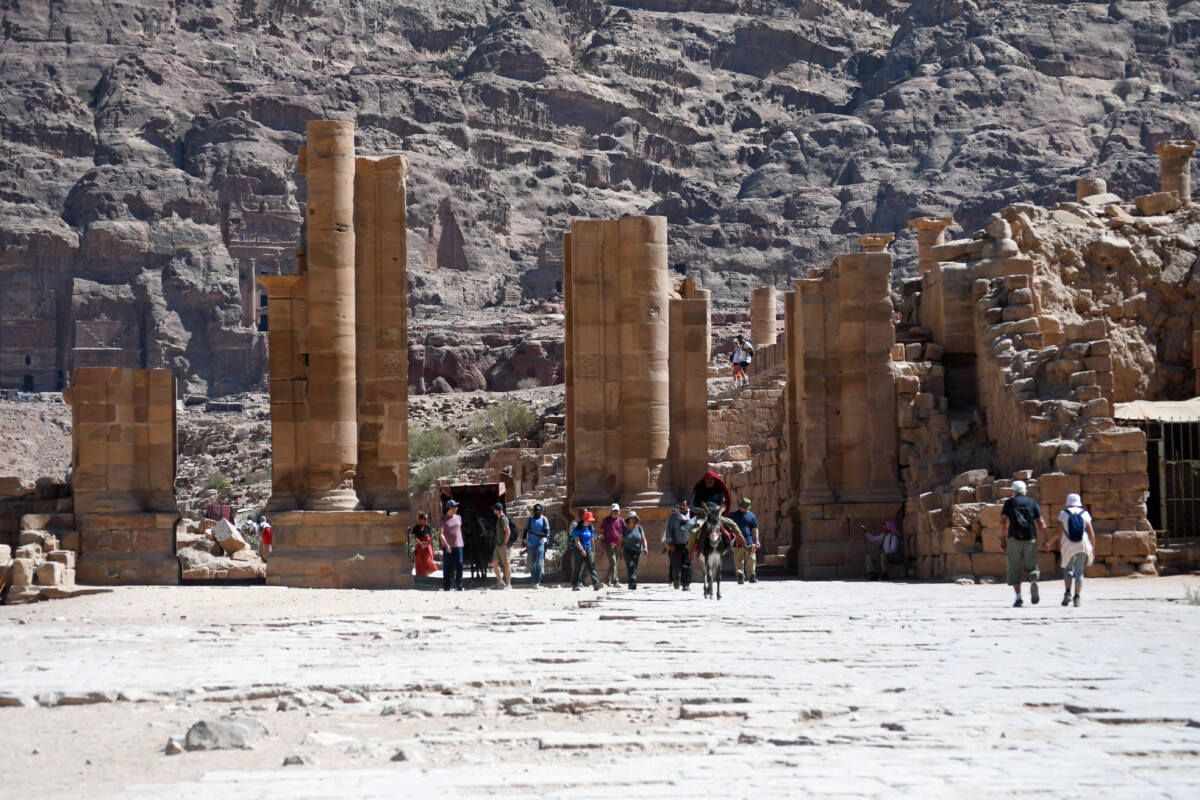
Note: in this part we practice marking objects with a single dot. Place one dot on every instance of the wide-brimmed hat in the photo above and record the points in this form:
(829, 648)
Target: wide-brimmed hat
(634, 515)
(1074, 501)
(744, 502)
(588, 516)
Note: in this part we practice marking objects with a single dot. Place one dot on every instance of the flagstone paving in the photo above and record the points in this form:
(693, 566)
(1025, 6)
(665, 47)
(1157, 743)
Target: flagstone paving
(784, 688)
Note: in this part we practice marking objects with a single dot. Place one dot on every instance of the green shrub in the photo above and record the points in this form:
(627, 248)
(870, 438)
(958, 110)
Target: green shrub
(429, 474)
(511, 416)
(1191, 596)
(431, 443)
(215, 480)
(257, 476)
(451, 66)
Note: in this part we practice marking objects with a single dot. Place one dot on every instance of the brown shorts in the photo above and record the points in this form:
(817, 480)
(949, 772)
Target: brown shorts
(500, 554)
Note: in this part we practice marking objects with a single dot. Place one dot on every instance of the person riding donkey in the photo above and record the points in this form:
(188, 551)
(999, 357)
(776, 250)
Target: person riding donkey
(710, 495)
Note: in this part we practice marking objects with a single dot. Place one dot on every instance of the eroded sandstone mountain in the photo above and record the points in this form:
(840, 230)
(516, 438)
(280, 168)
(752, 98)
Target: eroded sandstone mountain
(147, 150)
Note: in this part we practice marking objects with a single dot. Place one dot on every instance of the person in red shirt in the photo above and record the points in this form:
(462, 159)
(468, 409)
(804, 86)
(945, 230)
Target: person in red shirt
(264, 532)
(612, 529)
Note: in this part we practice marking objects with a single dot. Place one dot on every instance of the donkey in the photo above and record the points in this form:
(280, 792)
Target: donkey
(713, 545)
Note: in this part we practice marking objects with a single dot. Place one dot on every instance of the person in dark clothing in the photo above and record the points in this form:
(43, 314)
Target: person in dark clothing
(1023, 520)
(633, 544)
(678, 525)
(711, 489)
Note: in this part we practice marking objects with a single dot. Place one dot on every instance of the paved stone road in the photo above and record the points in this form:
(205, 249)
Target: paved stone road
(781, 689)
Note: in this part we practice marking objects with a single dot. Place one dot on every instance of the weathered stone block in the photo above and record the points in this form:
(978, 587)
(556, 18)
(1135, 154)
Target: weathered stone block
(50, 573)
(1151, 205)
(22, 572)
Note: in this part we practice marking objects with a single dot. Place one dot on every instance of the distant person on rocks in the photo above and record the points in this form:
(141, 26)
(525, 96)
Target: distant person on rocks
(744, 558)
(633, 544)
(500, 551)
(612, 530)
(582, 542)
(537, 534)
(1077, 546)
(422, 534)
(451, 535)
(1023, 520)
(743, 354)
(264, 535)
(678, 525)
(883, 549)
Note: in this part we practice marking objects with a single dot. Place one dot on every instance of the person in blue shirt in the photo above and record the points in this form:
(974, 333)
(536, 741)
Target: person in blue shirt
(581, 540)
(537, 533)
(745, 558)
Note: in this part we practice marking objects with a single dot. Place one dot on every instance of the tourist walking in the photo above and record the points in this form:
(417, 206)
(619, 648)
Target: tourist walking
(743, 354)
(678, 525)
(451, 536)
(264, 535)
(422, 535)
(1077, 546)
(612, 528)
(1022, 521)
(500, 551)
(633, 544)
(745, 557)
(582, 542)
(537, 533)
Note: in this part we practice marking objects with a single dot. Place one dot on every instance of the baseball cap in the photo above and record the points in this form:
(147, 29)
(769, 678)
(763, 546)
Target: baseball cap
(498, 507)
(615, 507)
(451, 503)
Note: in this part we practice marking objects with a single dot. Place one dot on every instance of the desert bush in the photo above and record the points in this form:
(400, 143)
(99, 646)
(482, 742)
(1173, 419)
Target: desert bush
(428, 474)
(431, 443)
(215, 479)
(511, 416)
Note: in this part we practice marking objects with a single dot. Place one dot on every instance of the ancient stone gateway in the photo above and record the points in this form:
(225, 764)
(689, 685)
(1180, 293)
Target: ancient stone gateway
(637, 423)
(339, 376)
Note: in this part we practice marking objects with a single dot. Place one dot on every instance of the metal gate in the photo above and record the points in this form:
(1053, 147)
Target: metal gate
(1173, 467)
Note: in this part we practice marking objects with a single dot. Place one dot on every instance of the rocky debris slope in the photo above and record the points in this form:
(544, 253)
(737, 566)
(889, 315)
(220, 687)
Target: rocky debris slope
(224, 455)
(147, 153)
(35, 438)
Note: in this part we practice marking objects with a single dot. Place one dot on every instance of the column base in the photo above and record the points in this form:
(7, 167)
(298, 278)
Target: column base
(332, 500)
(340, 550)
(127, 549)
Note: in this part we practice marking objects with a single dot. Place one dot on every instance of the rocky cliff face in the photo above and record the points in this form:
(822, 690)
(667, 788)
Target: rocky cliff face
(147, 150)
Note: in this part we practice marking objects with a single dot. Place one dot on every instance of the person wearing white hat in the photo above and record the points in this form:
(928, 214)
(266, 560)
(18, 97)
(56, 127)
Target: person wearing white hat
(1077, 546)
(1023, 521)
(612, 529)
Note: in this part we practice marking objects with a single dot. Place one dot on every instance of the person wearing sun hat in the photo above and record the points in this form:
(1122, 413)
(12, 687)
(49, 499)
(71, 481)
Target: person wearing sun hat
(581, 540)
(1077, 545)
(612, 529)
(744, 558)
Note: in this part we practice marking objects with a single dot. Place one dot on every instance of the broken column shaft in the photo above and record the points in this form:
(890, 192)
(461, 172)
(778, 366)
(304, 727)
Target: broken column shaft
(762, 316)
(931, 231)
(1175, 162)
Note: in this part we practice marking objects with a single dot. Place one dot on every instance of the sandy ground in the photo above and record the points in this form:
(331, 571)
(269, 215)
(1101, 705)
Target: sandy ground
(783, 688)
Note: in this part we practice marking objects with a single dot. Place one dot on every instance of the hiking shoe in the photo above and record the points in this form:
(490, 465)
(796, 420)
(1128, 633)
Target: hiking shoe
(596, 586)
(508, 586)
(498, 587)
(1033, 593)
(1019, 602)
(676, 583)
(1066, 598)
(574, 588)
(1077, 601)
(740, 580)
(754, 580)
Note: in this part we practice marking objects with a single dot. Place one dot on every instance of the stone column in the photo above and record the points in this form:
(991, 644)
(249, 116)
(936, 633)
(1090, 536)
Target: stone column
(691, 337)
(762, 316)
(289, 376)
(381, 322)
(931, 231)
(1174, 159)
(644, 354)
(332, 426)
(876, 242)
(569, 356)
(1087, 187)
(617, 315)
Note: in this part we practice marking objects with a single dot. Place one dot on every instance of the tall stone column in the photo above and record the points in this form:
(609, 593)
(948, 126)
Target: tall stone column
(287, 328)
(619, 391)
(569, 356)
(381, 320)
(762, 316)
(691, 337)
(332, 426)
(644, 350)
(931, 231)
(1175, 162)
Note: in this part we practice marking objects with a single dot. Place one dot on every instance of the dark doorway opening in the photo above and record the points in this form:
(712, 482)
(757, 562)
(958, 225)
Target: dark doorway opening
(28, 385)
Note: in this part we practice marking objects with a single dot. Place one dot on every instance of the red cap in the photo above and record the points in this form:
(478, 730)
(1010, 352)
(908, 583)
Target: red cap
(589, 516)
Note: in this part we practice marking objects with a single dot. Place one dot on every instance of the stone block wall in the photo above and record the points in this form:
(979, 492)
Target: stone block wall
(762, 480)
(751, 416)
(123, 475)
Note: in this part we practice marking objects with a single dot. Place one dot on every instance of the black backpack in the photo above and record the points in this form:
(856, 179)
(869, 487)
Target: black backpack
(1024, 518)
(1075, 526)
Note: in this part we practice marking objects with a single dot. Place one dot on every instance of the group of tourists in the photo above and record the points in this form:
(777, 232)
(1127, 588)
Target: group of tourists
(260, 528)
(619, 537)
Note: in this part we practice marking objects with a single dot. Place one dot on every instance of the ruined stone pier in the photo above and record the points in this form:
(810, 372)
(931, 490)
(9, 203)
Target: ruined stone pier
(339, 376)
(762, 316)
(931, 231)
(1175, 158)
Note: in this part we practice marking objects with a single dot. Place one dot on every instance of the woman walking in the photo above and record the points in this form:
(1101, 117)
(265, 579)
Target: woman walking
(422, 534)
(633, 544)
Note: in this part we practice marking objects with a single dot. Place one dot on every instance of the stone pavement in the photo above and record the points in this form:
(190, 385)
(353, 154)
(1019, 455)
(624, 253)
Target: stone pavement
(781, 689)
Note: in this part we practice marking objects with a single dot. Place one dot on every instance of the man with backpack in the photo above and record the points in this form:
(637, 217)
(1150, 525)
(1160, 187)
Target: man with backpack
(743, 354)
(1023, 520)
(1078, 545)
